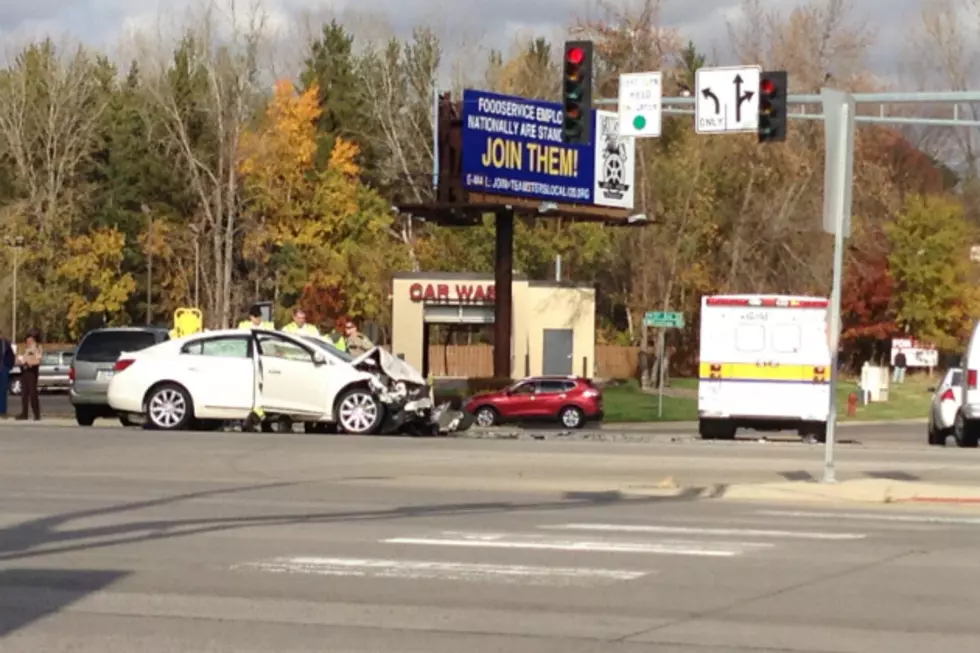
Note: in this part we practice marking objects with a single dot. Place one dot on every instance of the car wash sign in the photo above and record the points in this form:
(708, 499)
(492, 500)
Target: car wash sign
(512, 146)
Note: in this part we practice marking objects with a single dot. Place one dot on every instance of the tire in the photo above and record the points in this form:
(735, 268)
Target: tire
(84, 416)
(716, 429)
(16, 386)
(818, 432)
(359, 412)
(965, 433)
(936, 437)
(571, 417)
(486, 416)
(169, 407)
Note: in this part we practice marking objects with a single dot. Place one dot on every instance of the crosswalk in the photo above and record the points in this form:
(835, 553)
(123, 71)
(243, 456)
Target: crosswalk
(429, 554)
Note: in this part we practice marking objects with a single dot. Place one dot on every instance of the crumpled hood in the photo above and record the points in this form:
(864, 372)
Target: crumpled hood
(393, 366)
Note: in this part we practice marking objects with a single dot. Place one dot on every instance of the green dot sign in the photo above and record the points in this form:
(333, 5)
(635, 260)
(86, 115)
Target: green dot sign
(640, 96)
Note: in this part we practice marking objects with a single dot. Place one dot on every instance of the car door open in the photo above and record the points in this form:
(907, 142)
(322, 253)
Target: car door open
(220, 371)
(292, 382)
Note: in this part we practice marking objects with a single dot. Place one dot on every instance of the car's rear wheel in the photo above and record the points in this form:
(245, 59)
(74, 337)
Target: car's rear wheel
(16, 386)
(359, 412)
(84, 416)
(169, 407)
(486, 416)
(937, 438)
(571, 417)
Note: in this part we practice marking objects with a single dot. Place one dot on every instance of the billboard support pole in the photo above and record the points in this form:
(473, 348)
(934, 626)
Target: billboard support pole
(503, 296)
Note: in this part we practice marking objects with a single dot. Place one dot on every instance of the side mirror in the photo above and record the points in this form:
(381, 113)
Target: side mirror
(319, 358)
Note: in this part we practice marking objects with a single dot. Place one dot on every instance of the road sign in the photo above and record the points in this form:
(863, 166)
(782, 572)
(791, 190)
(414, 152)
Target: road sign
(726, 100)
(664, 320)
(839, 110)
(639, 104)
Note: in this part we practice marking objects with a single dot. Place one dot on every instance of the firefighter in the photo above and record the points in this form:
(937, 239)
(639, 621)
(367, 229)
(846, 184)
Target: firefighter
(300, 325)
(255, 320)
(357, 342)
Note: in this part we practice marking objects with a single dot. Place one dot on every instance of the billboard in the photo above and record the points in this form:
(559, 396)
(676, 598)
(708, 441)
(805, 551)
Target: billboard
(512, 146)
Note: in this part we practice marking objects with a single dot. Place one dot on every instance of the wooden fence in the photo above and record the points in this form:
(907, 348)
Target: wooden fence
(612, 361)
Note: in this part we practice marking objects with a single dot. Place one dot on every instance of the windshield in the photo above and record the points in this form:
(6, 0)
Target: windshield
(329, 348)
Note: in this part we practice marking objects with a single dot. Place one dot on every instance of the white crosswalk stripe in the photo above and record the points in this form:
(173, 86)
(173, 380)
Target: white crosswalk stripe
(709, 532)
(456, 571)
(634, 541)
(544, 542)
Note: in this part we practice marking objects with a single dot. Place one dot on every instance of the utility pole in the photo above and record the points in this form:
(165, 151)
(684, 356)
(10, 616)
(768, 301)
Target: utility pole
(149, 263)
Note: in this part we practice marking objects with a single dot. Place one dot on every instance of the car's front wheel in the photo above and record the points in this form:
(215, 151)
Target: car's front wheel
(359, 412)
(169, 407)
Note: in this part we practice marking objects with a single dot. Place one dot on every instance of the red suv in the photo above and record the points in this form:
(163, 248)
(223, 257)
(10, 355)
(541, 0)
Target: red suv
(572, 401)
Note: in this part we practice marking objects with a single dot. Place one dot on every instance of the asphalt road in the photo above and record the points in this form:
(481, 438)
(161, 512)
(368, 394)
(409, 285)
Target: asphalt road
(121, 540)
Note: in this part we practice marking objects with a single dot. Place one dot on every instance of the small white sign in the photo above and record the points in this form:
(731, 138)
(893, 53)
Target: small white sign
(615, 158)
(640, 97)
(726, 100)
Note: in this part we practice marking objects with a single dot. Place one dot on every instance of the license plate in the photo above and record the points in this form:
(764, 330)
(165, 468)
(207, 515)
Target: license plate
(103, 375)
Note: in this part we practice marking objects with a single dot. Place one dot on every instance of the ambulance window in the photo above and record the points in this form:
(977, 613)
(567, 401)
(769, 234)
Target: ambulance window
(750, 337)
(786, 338)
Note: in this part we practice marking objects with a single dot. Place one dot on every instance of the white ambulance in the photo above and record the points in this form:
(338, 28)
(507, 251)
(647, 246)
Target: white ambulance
(764, 365)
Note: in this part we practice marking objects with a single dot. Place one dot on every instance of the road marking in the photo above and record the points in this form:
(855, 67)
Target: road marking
(453, 571)
(682, 530)
(508, 541)
(911, 519)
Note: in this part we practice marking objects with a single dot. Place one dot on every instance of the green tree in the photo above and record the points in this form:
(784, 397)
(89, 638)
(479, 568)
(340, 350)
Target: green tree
(935, 292)
(333, 68)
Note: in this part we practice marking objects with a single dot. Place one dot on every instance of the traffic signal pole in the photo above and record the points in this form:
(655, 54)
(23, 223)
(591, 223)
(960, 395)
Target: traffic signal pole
(839, 112)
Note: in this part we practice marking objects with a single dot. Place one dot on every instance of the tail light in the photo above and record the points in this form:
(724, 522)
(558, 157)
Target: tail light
(948, 395)
(71, 374)
(122, 364)
(971, 379)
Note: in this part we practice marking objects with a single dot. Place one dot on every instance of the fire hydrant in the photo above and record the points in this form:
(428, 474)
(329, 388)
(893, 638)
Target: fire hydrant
(852, 404)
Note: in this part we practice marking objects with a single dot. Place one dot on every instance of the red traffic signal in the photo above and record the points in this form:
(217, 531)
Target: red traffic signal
(577, 93)
(768, 87)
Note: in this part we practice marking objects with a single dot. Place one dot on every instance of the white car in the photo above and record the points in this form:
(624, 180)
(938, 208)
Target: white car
(212, 377)
(946, 400)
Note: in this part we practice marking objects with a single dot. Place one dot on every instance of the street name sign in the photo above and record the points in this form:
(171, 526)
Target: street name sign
(726, 100)
(640, 111)
(664, 320)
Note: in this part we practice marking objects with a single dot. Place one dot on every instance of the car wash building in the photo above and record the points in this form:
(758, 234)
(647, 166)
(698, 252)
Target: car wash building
(553, 323)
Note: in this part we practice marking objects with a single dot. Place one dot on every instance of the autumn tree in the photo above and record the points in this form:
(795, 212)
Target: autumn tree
(91, 269)
(333, 228)
(936, 297)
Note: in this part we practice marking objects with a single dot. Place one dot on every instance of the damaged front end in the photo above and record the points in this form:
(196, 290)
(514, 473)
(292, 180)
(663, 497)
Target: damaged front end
(407, 397)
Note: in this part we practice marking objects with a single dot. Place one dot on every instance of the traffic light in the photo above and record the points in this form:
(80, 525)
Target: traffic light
(577, 93)
(773, 86)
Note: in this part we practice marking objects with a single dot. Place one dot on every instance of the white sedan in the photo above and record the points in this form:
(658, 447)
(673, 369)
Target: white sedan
(211, 377)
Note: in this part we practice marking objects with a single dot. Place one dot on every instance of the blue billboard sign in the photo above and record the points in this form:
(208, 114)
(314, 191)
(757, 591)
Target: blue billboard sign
(512, 146)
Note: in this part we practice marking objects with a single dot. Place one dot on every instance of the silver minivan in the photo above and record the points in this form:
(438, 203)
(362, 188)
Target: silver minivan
(95, 358)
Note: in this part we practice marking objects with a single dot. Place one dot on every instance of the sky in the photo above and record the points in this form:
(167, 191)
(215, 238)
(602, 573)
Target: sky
(494, 22)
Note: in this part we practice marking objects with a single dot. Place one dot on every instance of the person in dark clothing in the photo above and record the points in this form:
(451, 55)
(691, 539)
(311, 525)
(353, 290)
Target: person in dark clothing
(901, 362)
(7, 362)
(30, 365)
